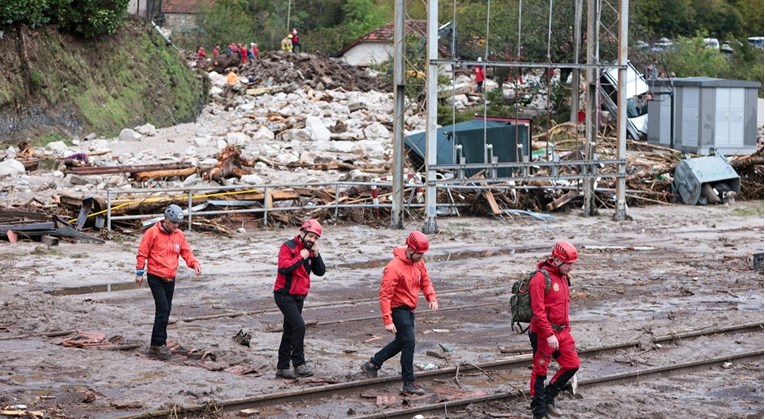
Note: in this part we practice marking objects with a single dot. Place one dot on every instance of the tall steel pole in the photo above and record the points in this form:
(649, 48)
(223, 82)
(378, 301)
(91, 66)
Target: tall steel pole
(431, 146)
(575, 74)
(593, 117)
(621, 122)
(289, 10)
(399, 95)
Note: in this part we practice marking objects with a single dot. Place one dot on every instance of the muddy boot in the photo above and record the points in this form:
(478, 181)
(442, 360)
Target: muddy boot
(160, 352)
(553, 410)
(286, 373)
(369, 369)
(303, 371)
(411, 387)
(538, 404)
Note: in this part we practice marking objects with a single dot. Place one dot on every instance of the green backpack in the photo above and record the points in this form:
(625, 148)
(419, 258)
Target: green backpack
(520, 300)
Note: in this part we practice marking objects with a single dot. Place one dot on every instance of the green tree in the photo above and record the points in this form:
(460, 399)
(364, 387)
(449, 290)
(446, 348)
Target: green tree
(361, 17)
(90, 17)
(690, 58)
(719, 19)
(223, 22)
(29, 12)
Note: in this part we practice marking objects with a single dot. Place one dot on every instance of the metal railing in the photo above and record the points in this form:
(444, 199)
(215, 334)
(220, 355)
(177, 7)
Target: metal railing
(587, 169)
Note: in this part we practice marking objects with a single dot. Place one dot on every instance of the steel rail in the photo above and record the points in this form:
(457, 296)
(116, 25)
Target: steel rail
(641, 374)
(518, 361)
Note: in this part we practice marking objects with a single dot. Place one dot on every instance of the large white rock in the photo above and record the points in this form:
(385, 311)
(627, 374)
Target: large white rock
(252, 180)
(147, 129)
(11, 167)
(375, 131)
(128, 134)
(316, 129)
(296, 134)
(367, 148)
(263, 134)
(57, 147)
(286, 158)
(237, 138)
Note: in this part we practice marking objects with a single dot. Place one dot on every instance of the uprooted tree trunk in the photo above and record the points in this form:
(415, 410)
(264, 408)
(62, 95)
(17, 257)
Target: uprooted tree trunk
(230, 164)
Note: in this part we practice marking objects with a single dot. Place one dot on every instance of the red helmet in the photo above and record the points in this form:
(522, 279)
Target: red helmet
(311, 226)
(418, 242)
(565, 251)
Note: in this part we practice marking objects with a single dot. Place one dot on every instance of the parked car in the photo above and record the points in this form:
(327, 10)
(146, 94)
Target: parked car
(662, 44)
(712, 43)
(756, 41)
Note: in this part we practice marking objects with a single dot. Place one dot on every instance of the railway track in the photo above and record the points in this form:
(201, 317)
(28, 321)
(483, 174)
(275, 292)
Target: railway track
(510, 369)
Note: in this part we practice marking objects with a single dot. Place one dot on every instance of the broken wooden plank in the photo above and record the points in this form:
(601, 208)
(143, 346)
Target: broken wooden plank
(491, 200)
(49, 240)
(562, 200)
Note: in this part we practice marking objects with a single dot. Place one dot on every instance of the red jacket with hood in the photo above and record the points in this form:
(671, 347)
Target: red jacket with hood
(401, 284)
(293, 274)
(160, 250)
(550, 307)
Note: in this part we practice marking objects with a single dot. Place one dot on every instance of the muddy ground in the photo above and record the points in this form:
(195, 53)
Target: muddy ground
(669, 269)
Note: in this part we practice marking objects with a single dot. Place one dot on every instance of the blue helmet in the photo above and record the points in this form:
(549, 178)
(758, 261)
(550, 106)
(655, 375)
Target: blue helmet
(174, 213)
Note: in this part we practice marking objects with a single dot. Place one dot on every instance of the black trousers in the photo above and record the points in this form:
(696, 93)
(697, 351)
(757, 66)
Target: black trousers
(162, 291)
(291, 346)
(403, 319)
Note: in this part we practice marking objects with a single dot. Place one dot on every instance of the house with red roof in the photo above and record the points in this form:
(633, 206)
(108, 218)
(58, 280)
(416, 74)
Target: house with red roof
(377, 46)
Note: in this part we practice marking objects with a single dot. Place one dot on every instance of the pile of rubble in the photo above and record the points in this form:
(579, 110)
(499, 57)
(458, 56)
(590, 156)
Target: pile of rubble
(307, 70)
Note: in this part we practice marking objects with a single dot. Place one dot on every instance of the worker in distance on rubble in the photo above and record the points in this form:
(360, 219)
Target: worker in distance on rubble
(161, 246)
(298, 258)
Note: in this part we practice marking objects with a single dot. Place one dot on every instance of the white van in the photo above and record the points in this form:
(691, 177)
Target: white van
(712, 43)
(756, 41)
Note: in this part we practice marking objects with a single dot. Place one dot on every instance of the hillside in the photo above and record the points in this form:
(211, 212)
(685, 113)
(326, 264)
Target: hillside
(54, 84)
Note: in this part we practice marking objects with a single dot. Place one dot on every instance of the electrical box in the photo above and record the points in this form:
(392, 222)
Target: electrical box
(705, 180)
(705, 113)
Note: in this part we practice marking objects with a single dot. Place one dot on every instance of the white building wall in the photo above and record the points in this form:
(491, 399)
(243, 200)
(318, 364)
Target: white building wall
(368, 54)
(137, 7)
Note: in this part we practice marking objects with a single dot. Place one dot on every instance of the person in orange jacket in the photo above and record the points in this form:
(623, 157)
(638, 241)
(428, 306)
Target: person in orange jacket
(298, 258)
(550, 329)
(157, 256)
(403, 279)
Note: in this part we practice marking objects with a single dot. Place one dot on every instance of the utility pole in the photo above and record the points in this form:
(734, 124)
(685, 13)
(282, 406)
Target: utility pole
(399, 97)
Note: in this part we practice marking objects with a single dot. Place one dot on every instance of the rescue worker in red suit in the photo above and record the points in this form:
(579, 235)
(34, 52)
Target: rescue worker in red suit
(298, 258)
(550, 330)
(480, 75)
(403, 279)
(161, 246)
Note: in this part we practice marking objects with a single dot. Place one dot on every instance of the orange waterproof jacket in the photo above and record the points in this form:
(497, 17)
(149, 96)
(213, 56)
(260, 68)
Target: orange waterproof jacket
(401, 284)
(160, 250)
(549, 308)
